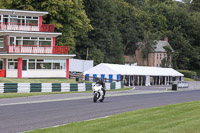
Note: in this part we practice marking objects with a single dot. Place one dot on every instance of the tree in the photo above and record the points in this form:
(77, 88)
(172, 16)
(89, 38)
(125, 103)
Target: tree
(147, 46)
(195, 5)
(106, 36)
(129, 26)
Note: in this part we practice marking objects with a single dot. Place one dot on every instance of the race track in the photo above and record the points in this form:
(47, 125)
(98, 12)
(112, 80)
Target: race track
(24, 116)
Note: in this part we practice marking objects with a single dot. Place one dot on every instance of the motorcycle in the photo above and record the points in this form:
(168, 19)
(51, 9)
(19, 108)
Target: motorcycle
(98, 93)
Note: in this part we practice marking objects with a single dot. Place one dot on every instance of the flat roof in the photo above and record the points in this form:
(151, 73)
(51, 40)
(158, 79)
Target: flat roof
(29, 33)
(22, 12)
(37, 56)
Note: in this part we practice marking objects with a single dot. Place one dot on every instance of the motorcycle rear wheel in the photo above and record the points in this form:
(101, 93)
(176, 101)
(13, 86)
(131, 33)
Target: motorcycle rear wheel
(101, 100)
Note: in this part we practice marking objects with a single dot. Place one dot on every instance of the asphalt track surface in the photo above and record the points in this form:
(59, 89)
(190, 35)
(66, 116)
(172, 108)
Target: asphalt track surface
(23, 114)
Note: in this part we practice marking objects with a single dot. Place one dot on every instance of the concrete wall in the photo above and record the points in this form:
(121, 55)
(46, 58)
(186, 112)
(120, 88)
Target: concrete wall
(194, 85)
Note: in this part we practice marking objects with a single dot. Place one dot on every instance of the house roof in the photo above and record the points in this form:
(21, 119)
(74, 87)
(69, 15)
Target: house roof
(159, 46)
(105, 68)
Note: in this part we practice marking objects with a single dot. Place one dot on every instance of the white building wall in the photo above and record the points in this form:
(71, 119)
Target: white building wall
(37, 73)
(77, 65)
(11, 73)
(46, 73)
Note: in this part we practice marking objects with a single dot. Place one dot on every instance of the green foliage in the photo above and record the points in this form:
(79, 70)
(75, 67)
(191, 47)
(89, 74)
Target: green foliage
(168, 49)
(111, 29)
(188, 73)
(147, 46)
(106, 36)
(195, 5)
(165, 62)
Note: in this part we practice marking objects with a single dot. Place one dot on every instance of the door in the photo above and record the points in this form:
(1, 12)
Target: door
(24, 68)
(1, 64)
(12, 41)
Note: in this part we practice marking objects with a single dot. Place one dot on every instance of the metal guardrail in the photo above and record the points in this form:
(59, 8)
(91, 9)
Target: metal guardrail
(27, 27)
(38, 49)
(183, 84)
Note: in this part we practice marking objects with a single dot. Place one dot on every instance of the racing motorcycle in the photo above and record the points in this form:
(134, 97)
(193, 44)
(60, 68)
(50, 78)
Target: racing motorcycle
(98, 93)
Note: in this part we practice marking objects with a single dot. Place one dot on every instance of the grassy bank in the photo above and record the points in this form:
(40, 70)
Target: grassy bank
(188, 79)
(178, 118)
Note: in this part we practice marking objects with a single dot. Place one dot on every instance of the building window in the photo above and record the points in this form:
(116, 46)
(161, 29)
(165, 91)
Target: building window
(45, 41)
(157, 56)
(1, 42)
(31, 64)
(46, 64)
(160, 56)
(12, 64)
(43, 64)
(22, 20)
(31, 41)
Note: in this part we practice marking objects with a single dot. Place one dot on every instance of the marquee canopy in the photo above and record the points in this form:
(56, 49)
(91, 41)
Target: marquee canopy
(105, 68)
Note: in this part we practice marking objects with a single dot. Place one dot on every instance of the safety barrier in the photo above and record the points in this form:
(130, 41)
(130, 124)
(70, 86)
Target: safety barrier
(52, 87)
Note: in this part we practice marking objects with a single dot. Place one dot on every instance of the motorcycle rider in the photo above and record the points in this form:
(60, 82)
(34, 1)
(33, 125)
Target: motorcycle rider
(100, 81)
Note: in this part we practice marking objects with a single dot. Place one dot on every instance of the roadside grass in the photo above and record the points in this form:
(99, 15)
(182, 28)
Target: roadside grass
(188, 79)
(14, 95)
(176, 118)
(26, 80)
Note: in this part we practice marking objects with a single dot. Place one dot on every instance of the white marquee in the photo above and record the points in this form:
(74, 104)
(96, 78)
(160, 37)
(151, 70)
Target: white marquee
(114, 69)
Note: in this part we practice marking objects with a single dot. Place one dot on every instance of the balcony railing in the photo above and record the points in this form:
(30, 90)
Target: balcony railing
(36, 49)
(26, 27)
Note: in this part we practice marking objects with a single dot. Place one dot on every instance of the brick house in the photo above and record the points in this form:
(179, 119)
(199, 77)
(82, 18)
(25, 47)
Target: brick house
(157, 57)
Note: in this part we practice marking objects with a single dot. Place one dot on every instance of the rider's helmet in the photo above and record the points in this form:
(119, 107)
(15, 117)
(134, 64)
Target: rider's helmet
(99, 81)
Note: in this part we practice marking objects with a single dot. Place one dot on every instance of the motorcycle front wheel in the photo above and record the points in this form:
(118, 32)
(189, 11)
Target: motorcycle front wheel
(95, 98)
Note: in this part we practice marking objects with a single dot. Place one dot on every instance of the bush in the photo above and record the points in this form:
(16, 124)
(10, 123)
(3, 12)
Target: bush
(188, 73)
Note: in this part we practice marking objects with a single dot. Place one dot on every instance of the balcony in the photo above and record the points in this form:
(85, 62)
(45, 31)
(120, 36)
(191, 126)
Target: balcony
(36, 49)
(27, 27)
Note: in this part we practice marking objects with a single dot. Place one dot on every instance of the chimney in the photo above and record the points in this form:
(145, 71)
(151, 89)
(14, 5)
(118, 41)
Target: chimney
(166, 39)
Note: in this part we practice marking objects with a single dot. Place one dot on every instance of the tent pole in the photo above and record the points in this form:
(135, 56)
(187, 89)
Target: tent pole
(152, 80)
(141, 80)
(129, 80)
(168, 80)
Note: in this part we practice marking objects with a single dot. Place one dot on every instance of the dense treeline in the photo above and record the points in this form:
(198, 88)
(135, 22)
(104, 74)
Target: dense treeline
(105, 30)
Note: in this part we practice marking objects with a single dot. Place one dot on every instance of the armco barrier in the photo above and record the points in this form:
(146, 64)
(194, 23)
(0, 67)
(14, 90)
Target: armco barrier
(73, 87)
(112, 85)
(10, 87)
(36, 87)
(88, 86)
(56, 87)
(52, 87)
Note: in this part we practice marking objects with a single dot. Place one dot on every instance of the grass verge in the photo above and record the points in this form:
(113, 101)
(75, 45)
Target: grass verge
(188, 79)
(177, 118)
(14, 95)
(26, 80)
